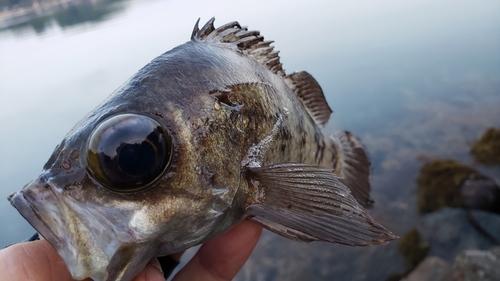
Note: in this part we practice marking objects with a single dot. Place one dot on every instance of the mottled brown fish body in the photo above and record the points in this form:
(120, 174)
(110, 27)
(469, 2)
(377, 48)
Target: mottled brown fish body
(207, 134)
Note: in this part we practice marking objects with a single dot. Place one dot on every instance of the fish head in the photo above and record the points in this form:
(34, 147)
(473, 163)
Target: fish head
(153, 170)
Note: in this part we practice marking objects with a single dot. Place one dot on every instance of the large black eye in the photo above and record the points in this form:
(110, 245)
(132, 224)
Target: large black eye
(128, 152)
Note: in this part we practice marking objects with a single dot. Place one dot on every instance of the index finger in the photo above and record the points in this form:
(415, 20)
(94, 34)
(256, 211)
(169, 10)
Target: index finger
(39, 261)
(33, 261)
(221, 258)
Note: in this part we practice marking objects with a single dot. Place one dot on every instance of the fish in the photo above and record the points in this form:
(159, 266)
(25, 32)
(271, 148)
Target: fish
(206, 135)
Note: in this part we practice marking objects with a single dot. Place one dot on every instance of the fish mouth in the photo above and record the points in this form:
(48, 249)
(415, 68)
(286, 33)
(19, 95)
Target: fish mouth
(30, 213)
(90, 244)
(41, 206)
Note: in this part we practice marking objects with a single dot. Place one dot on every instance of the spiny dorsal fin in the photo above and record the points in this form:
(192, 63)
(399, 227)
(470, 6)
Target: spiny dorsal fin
(250, 42)
(311, 95)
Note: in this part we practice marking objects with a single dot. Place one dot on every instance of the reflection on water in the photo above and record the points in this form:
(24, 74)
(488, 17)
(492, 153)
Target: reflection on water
(410, 78)
(21, 16)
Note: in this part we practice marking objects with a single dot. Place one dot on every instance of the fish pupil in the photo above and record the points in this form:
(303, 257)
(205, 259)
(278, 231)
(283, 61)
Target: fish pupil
(128, 152)
(136, 159)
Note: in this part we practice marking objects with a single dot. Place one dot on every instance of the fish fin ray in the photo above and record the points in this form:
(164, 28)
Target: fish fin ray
(311, 95)
(196, 29)
(201, 34)
(249, 41)
(307, 203)
(353, 165)
(280, 229)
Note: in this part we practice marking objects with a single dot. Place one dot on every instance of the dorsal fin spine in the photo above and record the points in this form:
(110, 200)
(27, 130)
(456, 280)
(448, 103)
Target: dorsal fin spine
(248, 41)
(206, 29)
(226, 27)
(196, 29)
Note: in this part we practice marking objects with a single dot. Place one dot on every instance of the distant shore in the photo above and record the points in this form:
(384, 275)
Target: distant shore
(19, 14)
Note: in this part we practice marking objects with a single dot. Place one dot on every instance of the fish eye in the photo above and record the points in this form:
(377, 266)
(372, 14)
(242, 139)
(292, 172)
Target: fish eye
(128, 152)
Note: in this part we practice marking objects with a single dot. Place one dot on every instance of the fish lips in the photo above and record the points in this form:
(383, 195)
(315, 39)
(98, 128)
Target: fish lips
(42, 207)
(89, 246)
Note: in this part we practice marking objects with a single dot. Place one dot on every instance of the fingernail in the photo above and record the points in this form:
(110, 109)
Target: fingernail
(154, 273)
(154, 262)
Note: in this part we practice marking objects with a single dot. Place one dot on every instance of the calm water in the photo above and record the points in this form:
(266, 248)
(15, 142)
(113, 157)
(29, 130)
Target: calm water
(410, 78)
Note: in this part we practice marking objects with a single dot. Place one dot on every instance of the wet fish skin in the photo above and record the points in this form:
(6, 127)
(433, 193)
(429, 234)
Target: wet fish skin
(234, 118)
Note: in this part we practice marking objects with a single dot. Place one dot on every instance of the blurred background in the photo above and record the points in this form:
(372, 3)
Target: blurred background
(417, 80)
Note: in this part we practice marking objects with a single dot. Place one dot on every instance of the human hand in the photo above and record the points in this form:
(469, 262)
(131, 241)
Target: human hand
(217, 260)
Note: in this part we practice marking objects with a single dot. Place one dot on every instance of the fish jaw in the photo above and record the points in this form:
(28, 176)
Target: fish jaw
(42, 208)
(88, 245)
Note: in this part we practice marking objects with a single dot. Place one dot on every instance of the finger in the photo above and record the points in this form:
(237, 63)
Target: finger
(36, 261)
(159, 268)
(221, 258)
(152, 272)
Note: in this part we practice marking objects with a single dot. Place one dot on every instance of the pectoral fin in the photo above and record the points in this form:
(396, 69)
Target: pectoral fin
(308, 203)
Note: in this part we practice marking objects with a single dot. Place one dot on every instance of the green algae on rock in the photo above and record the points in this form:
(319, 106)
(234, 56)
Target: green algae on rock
(413, 248)
(439, 184)
(486, 150)
(450, 183)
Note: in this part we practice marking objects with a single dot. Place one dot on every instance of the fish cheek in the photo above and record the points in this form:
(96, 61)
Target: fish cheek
(207, 166)
(222, 152)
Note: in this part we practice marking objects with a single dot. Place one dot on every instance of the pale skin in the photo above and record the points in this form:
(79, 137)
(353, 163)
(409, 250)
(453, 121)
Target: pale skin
(217, 260)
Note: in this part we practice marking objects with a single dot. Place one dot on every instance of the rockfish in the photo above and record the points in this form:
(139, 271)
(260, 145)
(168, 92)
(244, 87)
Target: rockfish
(204, 136)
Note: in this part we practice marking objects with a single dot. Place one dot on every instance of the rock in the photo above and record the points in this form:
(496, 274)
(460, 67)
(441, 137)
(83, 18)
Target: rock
(439, 184)
(476, 265)
(449, 231)
(449, 183)
(430, 269)
(481, 194)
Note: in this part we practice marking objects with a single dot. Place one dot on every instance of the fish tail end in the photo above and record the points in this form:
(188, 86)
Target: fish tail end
(352, 165)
